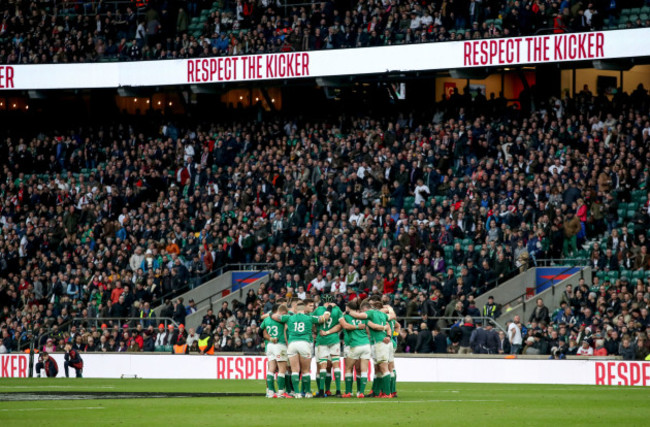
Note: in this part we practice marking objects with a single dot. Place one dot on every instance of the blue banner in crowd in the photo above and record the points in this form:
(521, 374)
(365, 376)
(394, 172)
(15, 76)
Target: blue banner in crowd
(242, 278)
(545, 277)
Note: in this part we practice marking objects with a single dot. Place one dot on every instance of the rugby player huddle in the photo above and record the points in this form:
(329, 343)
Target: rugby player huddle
(369, 333)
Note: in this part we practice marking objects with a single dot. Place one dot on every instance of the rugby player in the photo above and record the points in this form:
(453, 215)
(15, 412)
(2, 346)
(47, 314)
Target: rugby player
(328, 347)
(380, 337)
(357, 354)
(299, 333)
(395, 328)
(276, 352)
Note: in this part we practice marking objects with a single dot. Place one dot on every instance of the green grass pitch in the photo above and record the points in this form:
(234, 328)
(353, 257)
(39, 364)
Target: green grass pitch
(418, 404)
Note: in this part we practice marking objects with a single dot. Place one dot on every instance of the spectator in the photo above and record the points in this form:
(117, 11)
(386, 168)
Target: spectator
(425, 343)
(515, 336)
(540, 314)
(467, 329)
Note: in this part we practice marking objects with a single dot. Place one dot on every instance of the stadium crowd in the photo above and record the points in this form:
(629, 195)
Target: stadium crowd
(47, 31)
(427, 211)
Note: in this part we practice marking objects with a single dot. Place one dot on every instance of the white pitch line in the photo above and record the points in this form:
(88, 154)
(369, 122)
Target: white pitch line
(54, 386)
(72, 408)
(410, 401)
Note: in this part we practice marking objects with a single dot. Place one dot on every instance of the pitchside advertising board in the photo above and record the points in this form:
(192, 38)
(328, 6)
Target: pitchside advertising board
(505, 371)
(324, 63)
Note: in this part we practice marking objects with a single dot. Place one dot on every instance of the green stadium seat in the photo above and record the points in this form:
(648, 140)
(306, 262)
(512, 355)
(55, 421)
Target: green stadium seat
(622, 26)
(635, 11)
(630, 213)
(637, 275)
(612, 276)
(644, 17)
(602, 275)
(626, 273)
(448, 250)
(626, 12)
(634, 17)
(621, 213)
(623, 20)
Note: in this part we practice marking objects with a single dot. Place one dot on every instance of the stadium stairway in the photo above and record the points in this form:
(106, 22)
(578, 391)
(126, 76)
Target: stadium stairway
(524, 303)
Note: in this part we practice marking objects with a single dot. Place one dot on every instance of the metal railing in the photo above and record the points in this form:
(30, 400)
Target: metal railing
(550, 262)
(93, 8)
(114, 322)
(86, 322)
(449, 321)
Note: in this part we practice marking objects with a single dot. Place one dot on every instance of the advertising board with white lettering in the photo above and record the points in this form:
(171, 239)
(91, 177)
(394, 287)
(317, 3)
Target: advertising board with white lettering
(328, 63)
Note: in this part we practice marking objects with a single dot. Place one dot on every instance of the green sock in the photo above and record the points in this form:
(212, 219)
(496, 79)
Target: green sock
(386, 388)
(375, 383)
(322, 381)
(337, 379)
(348, 383)
(295, 382)
(288, 381)
(363, 380)
(328, 381)
(270, 383)
(359, 381)
(306, 383)
(281, 382)
(393, 381)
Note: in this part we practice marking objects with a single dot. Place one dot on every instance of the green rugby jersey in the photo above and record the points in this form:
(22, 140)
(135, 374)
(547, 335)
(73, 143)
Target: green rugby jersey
(274, 329)
(329, 324)
(358, 336)
(379, 318)
(299, 326)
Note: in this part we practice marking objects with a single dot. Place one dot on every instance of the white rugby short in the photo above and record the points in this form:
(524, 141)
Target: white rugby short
(276, 352)
(300, 348)
(328, 352)
(361, 352)
(381, 352)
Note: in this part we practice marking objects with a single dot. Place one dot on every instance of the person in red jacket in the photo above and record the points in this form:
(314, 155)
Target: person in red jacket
(73, 359)
(48, 364)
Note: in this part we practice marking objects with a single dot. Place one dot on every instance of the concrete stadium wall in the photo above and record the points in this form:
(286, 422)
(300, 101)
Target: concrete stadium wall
(206, 290)
(587, 371)
(551, 297)
(194, 320)
(508, 290)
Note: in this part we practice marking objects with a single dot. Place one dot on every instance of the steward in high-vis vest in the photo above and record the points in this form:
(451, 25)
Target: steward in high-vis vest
(206, 342)
(181, 347)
